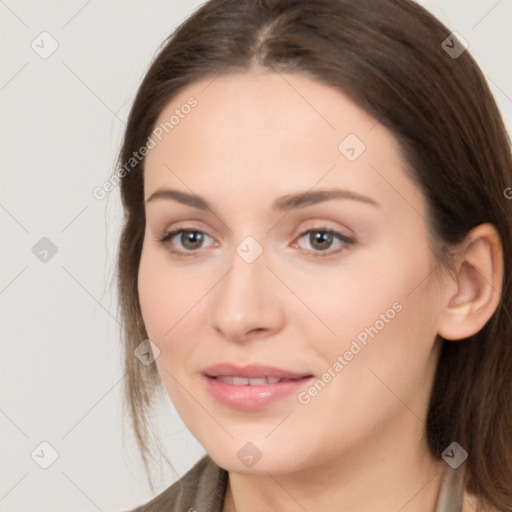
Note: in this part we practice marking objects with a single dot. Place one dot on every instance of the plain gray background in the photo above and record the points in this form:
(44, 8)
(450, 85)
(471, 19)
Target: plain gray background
(62, 118)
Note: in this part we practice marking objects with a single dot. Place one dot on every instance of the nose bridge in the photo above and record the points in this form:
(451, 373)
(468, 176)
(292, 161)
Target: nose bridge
(240, 290)
(242, 302)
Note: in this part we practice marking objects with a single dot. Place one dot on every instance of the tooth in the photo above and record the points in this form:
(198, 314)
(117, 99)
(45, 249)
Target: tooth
(258, 382)
(226, 380)
(244, 381)
(240, 381)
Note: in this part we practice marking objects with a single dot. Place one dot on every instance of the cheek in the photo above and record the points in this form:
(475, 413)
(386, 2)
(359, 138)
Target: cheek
(151, 296)
(171, 306)
(381, 309)
(162, 305)
(363, 295)
(382, 355)
(161, 299)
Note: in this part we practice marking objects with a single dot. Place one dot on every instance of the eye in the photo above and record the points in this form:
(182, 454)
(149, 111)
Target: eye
(321, 240)
(190, 240)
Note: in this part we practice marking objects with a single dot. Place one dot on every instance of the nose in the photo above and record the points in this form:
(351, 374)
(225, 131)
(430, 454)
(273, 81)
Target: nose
(245, 303)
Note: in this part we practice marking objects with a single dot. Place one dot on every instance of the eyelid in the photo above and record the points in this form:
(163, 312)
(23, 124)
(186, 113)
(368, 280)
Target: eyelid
(324, 223)
(189, 225)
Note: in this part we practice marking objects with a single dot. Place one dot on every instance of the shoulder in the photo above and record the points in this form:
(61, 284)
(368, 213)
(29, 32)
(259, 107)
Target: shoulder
(202, 488)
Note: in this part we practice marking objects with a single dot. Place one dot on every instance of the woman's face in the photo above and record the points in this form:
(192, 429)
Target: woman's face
(288, 337)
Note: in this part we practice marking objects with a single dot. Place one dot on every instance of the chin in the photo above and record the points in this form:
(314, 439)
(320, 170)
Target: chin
(255, 458)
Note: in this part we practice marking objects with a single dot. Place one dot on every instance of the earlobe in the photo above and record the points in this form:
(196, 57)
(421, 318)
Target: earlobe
(478, 284)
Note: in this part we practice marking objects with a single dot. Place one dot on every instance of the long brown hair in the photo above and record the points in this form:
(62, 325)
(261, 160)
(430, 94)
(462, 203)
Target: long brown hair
(388, 56)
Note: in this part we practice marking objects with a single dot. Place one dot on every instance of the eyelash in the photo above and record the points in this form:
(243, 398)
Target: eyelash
(316, 254)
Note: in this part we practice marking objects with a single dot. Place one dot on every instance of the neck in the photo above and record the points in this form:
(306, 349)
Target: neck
(397, 474)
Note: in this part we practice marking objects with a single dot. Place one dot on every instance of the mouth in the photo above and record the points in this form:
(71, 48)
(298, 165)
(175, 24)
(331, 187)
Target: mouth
(252, 372)
(252, 387)
(259, 381)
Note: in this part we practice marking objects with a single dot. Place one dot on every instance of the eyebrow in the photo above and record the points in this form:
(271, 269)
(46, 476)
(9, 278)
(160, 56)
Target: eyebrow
(284, 203)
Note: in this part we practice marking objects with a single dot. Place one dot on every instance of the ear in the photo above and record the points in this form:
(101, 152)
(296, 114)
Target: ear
(475, 290)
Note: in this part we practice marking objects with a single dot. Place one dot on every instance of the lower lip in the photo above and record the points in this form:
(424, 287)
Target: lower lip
(252, 398)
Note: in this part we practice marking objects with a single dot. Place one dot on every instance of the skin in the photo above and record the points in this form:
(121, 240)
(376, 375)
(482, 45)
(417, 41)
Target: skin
(254, 137)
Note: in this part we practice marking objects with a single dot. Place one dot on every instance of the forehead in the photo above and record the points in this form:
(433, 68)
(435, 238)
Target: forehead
(266, 132)
(263, 110)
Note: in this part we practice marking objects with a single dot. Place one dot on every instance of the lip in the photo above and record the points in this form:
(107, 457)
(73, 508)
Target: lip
(252, 397)
(252, 371)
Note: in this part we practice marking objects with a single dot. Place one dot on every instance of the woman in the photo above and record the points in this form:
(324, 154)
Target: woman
(317, 244)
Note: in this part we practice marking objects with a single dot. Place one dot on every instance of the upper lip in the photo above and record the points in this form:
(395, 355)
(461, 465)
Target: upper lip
(252, 371)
